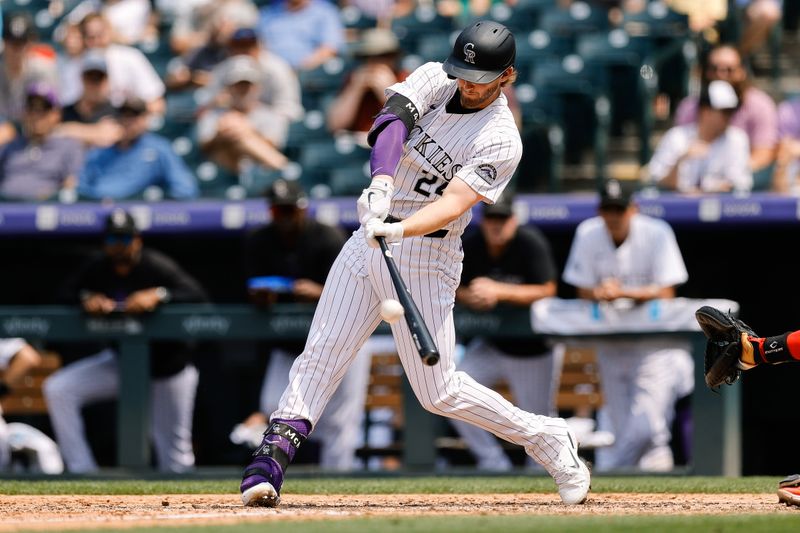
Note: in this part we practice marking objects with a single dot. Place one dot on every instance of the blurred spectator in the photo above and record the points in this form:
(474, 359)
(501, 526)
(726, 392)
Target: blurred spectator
(709, 155)
(131, 21)
(130, 279)
(129, 71)
(757, 114)
(363, 93)
(70, 60)
(138, 161)
(240, 125)
(280, 89)
(192, 19)
(788, 161)
(17, 359)
(506, 264)
(37, 164)
(91, 118)
(305, 33)
(24, 61)
(287, 260)
(759, 18)
(193, 68)
(703, 16)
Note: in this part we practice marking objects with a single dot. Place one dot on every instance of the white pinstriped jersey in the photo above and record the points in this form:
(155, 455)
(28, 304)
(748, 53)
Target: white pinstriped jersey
(483, 148)
(649, 256)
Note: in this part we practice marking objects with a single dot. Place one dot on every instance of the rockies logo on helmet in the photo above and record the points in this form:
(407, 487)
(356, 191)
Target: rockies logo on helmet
(469, 53)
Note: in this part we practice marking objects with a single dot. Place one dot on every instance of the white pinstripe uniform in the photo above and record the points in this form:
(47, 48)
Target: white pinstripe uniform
(482, 149)
(8, 349)
(640, 377)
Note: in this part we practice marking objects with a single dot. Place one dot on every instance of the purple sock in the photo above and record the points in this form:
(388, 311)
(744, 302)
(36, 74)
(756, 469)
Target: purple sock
(269, 465)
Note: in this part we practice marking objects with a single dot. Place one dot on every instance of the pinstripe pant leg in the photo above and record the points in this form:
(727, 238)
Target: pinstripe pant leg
(346, 315)
(67, 390)
(441, 389)
(172, 410)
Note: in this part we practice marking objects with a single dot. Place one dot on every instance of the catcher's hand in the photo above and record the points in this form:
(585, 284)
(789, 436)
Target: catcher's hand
(727, 341)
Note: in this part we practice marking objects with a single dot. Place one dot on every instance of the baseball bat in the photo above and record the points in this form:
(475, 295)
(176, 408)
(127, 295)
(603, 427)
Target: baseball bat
(419, 331)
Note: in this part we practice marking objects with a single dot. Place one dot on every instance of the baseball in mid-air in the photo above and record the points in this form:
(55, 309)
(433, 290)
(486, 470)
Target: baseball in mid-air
(391, 310)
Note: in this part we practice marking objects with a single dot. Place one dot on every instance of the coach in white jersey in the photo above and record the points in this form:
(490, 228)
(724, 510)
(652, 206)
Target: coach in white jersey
(444, 141)
(623, 257)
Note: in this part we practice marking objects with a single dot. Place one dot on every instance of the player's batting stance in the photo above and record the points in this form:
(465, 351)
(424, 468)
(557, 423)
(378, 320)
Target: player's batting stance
(444, 141)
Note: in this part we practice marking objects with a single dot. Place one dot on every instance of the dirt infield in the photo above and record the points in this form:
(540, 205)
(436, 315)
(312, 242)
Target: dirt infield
(78, 512)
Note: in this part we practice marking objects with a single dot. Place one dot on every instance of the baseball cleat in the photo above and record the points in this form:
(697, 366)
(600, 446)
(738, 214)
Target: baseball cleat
(261, 495)
(570, 472)
(789, 490)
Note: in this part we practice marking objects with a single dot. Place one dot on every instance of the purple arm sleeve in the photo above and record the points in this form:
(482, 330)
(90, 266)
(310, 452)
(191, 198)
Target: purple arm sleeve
(388, 146)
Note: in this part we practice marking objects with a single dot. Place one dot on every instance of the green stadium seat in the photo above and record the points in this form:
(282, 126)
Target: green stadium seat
(579, 18)
(350, 179)
(319, 158)
(538, 45)
(423, 21)
(355, 19)
(436, 46)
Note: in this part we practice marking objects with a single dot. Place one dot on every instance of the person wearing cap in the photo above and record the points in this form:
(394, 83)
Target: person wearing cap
(130, 73)
(91, 118)
(24, 61)
(192, 20)
(622, 257)
(709, 156)
(363, 93)
(444, 141)
(137, 161)
(279, 86)
(38, 164)
(305, 33)
(298, 250)
(506, 264)
(756, 114)
(127, 278)
(241, 126)
(192, 68)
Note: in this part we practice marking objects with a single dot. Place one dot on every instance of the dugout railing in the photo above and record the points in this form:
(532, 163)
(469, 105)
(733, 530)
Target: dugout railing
(717, 435)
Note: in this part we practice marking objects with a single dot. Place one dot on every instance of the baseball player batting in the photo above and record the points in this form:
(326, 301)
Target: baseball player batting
(444, 141)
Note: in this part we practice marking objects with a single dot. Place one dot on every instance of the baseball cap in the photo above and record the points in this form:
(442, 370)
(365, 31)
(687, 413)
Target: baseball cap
(376, 42)
(43, 90)
(132, 105)
(287, 193)
(720, 95)
(120, 222)
(244, 34)
(242, 68)
(617, 193)
(18, 27)
(94, 60)
(502, 207)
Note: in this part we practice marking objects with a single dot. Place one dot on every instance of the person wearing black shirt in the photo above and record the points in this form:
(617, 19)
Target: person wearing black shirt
(287, 261)
(506, 264)
(128, 279)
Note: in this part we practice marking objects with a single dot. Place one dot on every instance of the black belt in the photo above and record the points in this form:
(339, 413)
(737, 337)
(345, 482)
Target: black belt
(438, 234)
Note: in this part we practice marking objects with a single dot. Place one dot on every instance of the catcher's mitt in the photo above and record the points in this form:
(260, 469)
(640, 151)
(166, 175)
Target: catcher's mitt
(727, 339)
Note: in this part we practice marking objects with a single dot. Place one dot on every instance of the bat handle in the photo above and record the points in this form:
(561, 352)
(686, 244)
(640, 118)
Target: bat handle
(430, 359)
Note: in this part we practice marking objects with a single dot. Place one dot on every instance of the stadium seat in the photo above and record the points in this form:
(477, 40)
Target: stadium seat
(656, 21)
(538, 45)
(355, 19)
(435, 46)
(579, 18)
(311, 128)
(323, 81)
(580, 88)
(350, 179)
(623, 56)
(318, 159)
(423, 21)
